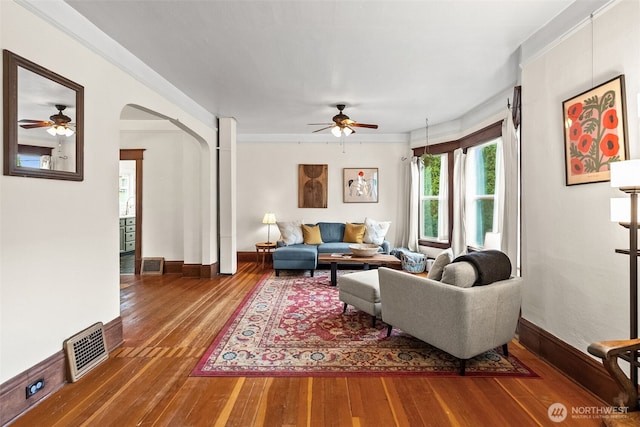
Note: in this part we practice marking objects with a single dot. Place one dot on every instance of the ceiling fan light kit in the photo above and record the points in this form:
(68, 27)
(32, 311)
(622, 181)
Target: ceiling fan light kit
(342, 124)
(59, 123)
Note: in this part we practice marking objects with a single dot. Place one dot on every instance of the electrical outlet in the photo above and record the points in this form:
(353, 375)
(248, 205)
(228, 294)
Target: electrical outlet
(35, 387)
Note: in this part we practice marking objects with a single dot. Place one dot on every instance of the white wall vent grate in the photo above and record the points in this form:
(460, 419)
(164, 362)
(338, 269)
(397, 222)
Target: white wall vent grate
(85, 351)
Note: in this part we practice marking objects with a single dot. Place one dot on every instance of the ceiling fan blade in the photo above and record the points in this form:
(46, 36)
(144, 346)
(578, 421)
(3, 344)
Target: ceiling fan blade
(364, 125)
(30, 121)
(36, 125)
(322, 129)
(320, 124)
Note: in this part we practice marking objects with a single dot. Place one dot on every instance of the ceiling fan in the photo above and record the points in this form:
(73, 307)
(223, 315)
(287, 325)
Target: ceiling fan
(58, 124)
(342, 124)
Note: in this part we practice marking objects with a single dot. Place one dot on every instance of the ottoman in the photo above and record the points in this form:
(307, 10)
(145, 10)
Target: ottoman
(362, 291)
(295, 257)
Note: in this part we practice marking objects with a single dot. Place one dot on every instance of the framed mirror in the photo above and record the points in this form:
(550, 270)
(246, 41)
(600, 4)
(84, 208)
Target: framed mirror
(43, 122)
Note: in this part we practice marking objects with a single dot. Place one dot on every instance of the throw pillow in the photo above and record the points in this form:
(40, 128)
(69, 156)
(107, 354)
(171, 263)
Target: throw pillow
(462, 274)
(311, 234)
(376, 231)
(353, 233)
(439, 264)
(291, 232)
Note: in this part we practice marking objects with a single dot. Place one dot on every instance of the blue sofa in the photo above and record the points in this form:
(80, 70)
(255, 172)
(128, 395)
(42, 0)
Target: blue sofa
(305, 257)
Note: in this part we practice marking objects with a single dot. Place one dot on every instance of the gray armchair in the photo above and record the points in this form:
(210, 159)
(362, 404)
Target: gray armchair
(464, 322)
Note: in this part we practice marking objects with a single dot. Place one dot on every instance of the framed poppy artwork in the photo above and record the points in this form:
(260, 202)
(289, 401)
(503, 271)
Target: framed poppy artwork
(595, 132)
(360, 185)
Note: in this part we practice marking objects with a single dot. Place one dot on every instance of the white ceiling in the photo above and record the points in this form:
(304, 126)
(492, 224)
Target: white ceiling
(278, 65)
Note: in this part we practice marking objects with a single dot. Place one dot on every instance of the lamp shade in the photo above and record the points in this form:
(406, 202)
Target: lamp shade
(269, 218)
(336, 131)
(626, 175)
(621, 210)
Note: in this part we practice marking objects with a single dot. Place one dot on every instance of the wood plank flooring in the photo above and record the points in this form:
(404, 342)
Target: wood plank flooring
(169, 322)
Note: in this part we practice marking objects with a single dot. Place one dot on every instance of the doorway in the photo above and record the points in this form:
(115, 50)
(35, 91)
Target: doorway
(130, 210)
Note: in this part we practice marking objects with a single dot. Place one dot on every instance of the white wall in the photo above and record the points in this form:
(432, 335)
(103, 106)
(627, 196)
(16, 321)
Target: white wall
(576, 287)
(59, 243)
(268, 182)
(171, 192)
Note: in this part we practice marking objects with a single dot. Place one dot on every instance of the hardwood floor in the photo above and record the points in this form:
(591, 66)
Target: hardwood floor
(169, 321)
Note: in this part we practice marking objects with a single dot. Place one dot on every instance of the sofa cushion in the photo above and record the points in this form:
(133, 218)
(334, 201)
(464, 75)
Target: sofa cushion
(439, 264)
(462, 274)
(331, 231)
(353, 233)
(376, 231)
(311, 235)
(291, 232)
(334, 247)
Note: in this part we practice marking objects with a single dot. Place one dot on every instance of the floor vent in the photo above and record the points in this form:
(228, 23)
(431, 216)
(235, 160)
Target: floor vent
(85, 351)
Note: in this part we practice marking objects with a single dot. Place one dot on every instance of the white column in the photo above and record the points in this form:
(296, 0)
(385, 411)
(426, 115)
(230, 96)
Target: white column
(227, 195)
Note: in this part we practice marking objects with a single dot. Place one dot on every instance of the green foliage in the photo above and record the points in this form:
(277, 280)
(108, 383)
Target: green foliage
(431, 187)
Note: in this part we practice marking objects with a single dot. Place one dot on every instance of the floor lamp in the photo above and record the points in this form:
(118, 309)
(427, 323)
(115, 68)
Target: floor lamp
(626, 177)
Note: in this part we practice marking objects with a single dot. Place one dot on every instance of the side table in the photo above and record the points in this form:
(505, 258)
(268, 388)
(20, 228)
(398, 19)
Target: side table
(264, 247)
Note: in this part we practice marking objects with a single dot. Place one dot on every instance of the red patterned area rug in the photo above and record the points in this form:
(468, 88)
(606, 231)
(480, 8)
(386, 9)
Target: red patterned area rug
(294, 326)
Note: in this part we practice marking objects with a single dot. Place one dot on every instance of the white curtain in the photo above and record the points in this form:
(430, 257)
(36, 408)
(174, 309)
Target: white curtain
(443, 208)
(458, 239)
(509, 197)
(410, 238)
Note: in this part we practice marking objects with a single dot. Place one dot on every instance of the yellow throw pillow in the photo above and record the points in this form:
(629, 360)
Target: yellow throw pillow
(311, 234)
(353, 233)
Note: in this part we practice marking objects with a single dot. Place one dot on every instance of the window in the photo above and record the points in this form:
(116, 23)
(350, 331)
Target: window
(433, 199)
(481, 196)
(438, 194)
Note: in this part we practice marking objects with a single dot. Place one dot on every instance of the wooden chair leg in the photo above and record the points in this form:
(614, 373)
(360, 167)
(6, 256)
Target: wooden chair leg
(609, 352)
(344, 310)
(389, 328)
(505, 350)
(463, 366)
(373, 321)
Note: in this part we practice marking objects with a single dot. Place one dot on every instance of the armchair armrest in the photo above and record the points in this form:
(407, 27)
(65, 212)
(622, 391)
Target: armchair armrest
(610, 352)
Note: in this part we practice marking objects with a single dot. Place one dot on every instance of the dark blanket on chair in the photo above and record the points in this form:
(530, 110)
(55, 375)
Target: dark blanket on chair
(491, 265)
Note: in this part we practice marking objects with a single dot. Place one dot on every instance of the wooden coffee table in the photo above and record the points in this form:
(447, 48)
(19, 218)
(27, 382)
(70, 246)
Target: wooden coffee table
(377, 259)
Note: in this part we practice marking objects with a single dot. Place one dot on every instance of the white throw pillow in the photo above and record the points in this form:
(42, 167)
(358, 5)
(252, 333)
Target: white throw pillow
(376, 231)
(439, 264)
(291, 232)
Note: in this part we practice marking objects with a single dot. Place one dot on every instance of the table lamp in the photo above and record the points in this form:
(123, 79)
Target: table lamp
(269, 218)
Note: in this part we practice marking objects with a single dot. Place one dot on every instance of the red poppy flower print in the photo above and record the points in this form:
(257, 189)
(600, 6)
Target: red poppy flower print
(574, 111)
(609, 145)
(576, 166)
(575, 131)
(360, 173)
(610, 119)
(585, 142)
(592, 134)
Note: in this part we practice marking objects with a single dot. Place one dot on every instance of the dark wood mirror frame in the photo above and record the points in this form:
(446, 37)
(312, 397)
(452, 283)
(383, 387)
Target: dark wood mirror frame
(11, 62)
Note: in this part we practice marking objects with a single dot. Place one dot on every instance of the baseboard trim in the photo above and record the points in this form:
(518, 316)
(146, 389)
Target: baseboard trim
(13, 401)
(191, 270)
(254, 257)
(578, 366)
(173, 267)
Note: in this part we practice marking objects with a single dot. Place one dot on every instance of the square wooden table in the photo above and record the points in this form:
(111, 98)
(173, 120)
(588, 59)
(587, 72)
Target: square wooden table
(349, 258)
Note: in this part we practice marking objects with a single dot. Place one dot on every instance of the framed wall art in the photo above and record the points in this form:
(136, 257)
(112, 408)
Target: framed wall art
(595, 132)
(312, 186)
(360, 185)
